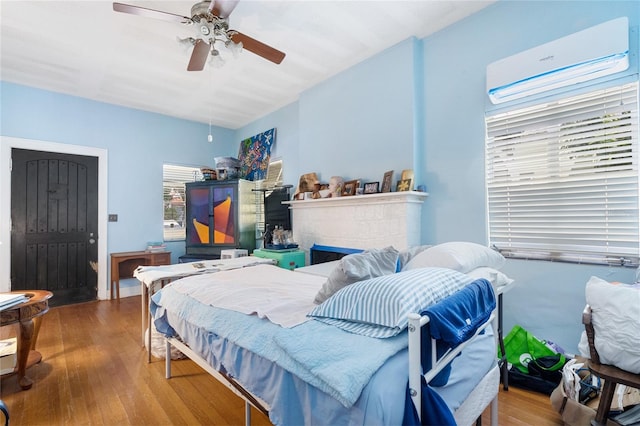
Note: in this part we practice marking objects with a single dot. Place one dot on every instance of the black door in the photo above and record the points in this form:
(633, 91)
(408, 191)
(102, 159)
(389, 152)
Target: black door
(54, 225)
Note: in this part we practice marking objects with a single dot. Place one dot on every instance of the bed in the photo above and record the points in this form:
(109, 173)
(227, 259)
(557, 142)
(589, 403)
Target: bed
(301, 364)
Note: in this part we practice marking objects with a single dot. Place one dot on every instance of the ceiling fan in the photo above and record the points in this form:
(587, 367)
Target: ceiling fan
(211, 18)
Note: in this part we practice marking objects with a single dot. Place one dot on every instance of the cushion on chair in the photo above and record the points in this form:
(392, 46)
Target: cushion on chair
(616, 321)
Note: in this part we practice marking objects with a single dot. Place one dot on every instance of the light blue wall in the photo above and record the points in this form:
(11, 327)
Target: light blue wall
(137, 144)
(359, 124)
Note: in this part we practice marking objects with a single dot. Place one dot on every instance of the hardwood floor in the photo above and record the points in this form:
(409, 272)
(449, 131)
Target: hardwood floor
(95, 372)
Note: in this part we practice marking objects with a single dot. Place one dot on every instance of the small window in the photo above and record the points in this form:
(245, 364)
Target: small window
(562, 179)
(173, 189)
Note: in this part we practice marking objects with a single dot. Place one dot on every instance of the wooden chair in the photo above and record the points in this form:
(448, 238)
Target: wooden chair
(610, 374)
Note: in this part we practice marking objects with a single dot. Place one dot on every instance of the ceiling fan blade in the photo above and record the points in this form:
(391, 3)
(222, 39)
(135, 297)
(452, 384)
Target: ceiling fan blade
(199, 56)
(259, 48)
(150, 13)
(222, 8)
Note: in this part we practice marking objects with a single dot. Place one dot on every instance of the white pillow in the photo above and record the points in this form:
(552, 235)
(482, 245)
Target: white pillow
(357, 267)
(616, 322)
(458, 255)
(495, 277)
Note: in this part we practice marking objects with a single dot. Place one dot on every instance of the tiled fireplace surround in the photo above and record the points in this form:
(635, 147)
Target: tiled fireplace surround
(359, 221)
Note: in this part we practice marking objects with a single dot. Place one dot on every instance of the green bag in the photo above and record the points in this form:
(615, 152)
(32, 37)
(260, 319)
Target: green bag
(522, 347)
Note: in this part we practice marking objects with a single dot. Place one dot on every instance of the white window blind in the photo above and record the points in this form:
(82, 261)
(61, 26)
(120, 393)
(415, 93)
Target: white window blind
(562, 179)
(173, 191)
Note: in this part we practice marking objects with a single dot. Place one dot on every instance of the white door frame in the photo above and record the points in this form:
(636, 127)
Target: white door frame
(6, 145)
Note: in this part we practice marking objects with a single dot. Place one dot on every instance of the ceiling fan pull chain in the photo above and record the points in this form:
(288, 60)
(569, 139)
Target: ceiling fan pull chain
(210, 137)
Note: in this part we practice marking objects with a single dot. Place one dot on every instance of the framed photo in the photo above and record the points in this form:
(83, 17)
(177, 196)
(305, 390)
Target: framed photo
(407, 174)
(404, 185)
(350, 187)
(386, 181)
(371, 187)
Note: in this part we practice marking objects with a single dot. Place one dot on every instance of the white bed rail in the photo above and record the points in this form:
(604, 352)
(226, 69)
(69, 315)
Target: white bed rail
(416, 322)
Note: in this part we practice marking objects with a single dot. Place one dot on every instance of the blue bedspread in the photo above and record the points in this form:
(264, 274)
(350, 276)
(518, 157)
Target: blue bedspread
(338, 362)
(335, 361)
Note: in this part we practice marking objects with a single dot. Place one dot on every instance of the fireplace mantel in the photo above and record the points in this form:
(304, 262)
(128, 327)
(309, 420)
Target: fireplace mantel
(359, 221)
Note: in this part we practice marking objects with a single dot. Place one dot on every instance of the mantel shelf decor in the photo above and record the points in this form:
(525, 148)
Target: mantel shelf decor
(378, 198)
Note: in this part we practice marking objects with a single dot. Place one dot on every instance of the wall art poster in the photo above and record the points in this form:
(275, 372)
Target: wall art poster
(254, 155)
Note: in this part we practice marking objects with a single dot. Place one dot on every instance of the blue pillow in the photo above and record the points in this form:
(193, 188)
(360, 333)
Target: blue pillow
(378, 307)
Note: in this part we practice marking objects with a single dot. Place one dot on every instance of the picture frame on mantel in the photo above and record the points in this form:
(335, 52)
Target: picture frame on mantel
(407, 174)
(386, 181)
(371, 187)
(350, 187)
(404, 185)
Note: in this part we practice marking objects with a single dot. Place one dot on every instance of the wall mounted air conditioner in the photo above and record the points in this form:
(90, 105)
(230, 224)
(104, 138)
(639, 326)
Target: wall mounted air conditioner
(588, 54)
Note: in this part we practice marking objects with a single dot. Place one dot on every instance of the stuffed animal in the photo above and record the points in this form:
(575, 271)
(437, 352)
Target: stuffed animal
(306, 184)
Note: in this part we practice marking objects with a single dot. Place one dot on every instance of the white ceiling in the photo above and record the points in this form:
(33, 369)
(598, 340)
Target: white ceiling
(85, 49)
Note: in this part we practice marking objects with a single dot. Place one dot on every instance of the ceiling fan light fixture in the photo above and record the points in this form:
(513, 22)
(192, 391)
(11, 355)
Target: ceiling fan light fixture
(235, 48)
(215, 58)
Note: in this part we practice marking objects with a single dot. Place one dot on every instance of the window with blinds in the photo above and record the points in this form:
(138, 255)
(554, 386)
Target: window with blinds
(173, 191)
(562, 179)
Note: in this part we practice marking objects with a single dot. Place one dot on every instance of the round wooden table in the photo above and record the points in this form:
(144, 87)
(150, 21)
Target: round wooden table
(28, 315)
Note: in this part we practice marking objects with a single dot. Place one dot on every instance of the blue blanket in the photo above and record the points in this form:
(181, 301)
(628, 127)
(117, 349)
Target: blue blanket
(452, 321)
(456, 319)
(335, 361)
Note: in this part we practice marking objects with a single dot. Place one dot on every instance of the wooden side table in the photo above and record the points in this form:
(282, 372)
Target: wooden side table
(28, 315)
(123, 264)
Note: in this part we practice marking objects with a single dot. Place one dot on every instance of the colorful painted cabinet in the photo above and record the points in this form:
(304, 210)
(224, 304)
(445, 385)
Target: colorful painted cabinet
(220, 215)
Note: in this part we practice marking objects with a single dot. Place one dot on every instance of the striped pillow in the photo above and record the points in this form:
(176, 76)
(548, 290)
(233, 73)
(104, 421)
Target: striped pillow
(378, 307)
